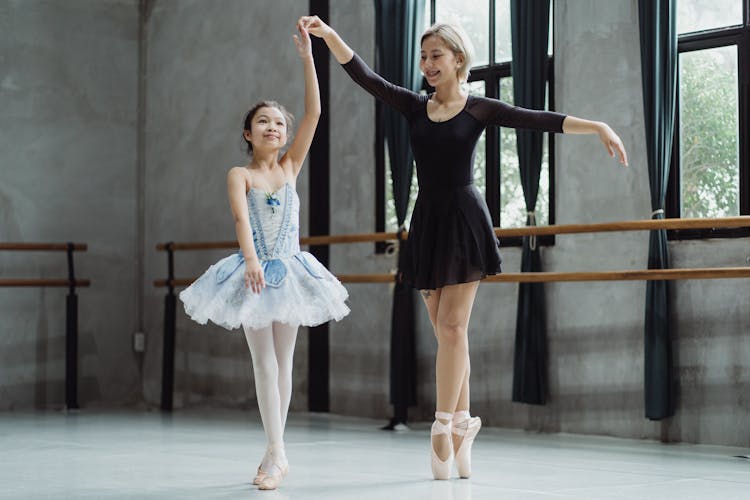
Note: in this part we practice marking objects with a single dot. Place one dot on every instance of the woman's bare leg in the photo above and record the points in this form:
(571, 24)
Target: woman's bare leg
(452, 313)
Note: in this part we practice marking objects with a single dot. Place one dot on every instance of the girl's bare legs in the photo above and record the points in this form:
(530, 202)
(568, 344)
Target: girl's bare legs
(449, 309)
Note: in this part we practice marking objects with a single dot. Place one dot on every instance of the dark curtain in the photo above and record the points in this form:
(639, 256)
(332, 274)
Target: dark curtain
(659, 74)
(530, 38)
(398, 25)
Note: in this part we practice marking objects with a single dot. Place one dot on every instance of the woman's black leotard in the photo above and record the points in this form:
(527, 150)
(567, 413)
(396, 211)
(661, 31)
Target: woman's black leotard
(451, 239)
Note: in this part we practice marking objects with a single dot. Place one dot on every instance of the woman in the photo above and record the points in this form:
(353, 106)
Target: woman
(453, 245)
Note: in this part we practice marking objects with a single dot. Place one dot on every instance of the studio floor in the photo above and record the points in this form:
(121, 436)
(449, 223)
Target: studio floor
(212, 454)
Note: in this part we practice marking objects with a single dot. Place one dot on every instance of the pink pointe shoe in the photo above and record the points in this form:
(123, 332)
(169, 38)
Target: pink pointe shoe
(260, 474)
(467, 426)
(270, 480)
(441, 469)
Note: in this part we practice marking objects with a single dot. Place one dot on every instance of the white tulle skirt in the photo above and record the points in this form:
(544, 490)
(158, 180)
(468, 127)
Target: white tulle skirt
(299, 291)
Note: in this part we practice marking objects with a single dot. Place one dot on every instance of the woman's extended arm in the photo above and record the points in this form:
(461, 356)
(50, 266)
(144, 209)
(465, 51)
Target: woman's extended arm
(340, 50)
(495, 112)
(401, 99)
(611, 141)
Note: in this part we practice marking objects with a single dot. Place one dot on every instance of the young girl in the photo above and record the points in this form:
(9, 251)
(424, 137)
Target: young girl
(451, 236)
(281, 287)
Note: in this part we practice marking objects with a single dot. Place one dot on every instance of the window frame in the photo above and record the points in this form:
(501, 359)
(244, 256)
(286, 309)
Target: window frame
(733, 36)
(491, 74)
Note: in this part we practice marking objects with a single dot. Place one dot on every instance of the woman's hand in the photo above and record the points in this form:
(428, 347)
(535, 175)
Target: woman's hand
(254, 276)
(314, 26)
(613, 143)
(304, 47)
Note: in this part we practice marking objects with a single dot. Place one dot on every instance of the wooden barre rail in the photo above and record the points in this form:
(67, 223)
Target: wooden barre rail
(43, 246)
(543, 277)
(42, 282)
(307, 240)
(633, 225)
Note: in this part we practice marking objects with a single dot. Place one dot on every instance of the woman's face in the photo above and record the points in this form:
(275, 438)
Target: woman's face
(437, 62)
(268, 129)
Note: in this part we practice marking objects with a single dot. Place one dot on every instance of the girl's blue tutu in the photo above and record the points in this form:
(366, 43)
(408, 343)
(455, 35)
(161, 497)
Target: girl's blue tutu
(299, 289)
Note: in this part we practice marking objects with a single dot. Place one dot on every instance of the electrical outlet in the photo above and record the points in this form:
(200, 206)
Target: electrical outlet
(139, 342)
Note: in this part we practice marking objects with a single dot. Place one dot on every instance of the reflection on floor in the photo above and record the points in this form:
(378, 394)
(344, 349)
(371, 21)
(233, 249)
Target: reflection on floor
(213, 454)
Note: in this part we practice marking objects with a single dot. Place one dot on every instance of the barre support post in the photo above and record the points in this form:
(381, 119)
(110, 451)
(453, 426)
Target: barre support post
(71, 336)
(167, 374)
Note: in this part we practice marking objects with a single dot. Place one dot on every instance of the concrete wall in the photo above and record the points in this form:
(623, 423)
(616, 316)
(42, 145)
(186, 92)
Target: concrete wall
(360, 344)
(68, 94)
(208, 62)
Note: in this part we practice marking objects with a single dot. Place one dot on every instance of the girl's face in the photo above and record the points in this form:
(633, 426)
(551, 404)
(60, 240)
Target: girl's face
(438, 63)
(268, 129)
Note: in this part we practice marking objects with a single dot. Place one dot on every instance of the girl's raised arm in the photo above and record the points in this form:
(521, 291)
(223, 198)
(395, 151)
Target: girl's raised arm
(306, 131)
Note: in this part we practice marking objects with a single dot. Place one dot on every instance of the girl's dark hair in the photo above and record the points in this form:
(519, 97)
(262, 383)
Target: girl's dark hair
(265, 104)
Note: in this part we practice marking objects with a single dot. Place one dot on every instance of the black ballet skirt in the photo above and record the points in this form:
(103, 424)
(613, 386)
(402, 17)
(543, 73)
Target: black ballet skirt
(451, 238)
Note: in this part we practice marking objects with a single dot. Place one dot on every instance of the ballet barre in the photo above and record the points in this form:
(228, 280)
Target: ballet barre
(545, 277)
(531, 277)
(71, 305)
(536, 277)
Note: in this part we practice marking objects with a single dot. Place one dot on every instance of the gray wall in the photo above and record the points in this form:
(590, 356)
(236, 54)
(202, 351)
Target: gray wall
(360, 344)
(68, 94)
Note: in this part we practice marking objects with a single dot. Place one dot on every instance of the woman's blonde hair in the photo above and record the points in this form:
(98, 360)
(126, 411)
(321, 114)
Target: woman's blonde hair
(457, 40)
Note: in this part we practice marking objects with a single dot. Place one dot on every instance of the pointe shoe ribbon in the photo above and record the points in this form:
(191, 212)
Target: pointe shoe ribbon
(468, 427)
(441, 469)
(260, 475)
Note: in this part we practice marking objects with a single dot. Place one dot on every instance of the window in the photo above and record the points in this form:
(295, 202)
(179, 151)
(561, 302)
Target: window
(710, 168)
(488, 24)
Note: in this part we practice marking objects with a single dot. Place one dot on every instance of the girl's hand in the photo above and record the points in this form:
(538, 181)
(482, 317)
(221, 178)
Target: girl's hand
(254, 276)
(314, 26)
(304, 47)
(613, 143)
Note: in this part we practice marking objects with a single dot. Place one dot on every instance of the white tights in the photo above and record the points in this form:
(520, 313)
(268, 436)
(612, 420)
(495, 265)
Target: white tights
(272, 350)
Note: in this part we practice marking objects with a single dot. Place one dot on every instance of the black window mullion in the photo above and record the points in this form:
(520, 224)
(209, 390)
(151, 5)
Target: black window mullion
(380, 187)
(673, 208)
(492, 18)
(492, 153)
(551, 146)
